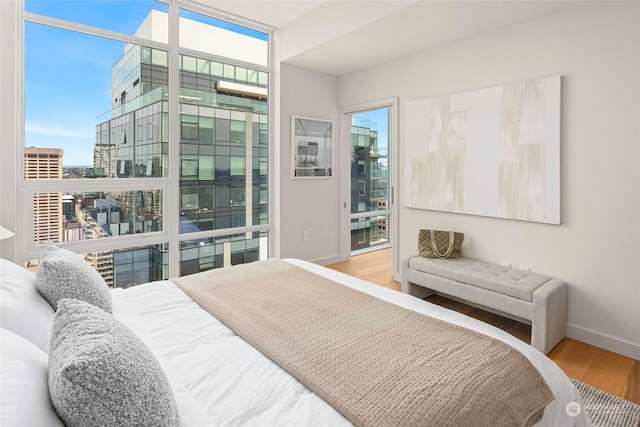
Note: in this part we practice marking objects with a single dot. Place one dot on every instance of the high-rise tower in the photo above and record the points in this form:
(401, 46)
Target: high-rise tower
(45, 163)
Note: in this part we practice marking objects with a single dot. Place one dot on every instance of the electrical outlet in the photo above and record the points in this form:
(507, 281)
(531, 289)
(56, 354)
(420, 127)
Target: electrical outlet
(506, 264)
(305, 236)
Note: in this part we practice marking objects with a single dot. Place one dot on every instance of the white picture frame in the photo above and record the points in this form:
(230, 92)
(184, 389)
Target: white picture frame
(311, 148)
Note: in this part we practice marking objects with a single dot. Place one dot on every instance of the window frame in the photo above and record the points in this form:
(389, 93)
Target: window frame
(27, 249)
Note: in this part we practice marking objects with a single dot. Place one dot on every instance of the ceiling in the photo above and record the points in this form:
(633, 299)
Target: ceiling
(343, 36)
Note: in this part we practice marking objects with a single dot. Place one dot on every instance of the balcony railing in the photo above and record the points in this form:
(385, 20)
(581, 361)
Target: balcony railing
(378, 194)
(379, 173)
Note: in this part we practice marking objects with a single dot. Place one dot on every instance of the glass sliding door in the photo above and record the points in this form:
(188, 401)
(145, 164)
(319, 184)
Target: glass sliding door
(370, 180)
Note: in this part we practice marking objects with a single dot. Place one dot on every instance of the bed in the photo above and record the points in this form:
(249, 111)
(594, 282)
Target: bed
(215, 377)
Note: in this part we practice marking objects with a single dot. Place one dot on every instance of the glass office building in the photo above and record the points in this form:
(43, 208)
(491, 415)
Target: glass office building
(223, 181)
(369, 190)
(172, 176)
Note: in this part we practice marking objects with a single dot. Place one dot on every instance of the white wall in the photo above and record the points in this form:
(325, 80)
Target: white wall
(595, 46)
(311, 205)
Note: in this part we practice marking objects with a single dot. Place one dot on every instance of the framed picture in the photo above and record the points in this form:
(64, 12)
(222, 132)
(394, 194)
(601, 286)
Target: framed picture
(491, 152)
(311, 148)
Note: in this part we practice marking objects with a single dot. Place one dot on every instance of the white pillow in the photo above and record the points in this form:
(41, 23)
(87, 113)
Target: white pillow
(65, 274)
(22, 308)
(101, 373)
(24, 396)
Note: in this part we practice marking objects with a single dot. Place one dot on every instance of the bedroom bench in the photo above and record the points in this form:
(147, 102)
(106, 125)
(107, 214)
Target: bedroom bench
(532, 297)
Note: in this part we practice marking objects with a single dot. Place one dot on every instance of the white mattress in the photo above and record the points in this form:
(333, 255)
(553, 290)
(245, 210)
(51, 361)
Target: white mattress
(220, 380)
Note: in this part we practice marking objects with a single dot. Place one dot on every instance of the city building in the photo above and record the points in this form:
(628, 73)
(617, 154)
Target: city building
(369, 189)
(45, 163)
(105, 157)
(223, 146)
(55, 214)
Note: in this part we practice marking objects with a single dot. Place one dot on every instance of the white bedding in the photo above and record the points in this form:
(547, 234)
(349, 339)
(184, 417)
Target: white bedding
(220, 380)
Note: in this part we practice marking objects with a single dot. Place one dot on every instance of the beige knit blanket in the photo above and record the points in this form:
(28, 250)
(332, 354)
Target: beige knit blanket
(376, 363)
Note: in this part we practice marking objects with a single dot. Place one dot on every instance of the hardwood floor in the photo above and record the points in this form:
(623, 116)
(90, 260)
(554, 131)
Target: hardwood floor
(611, 372)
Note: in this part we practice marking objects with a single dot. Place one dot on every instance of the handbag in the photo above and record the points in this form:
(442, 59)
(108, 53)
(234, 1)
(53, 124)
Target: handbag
(440, 244)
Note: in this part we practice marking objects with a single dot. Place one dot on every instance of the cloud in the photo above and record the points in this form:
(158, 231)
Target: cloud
(57, 131)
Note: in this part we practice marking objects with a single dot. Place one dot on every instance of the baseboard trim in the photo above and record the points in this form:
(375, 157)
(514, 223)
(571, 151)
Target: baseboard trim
(606, 342)
(326, 260)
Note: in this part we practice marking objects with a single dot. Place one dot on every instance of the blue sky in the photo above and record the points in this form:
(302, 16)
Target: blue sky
(68, 75)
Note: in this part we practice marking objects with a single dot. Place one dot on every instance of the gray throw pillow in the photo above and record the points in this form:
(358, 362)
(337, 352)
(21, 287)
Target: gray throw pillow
(101, 374)
(65, 274)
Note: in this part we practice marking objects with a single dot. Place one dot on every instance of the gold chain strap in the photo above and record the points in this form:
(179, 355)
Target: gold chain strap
(432, 234)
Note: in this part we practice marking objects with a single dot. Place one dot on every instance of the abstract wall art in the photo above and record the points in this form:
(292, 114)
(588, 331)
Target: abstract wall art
(492, 152)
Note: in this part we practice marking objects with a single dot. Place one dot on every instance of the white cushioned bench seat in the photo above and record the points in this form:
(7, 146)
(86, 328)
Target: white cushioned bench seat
(508, 281)
(532, 297)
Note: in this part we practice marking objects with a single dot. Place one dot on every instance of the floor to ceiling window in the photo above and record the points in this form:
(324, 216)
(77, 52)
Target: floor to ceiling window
(370, 185)
(146, 137)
